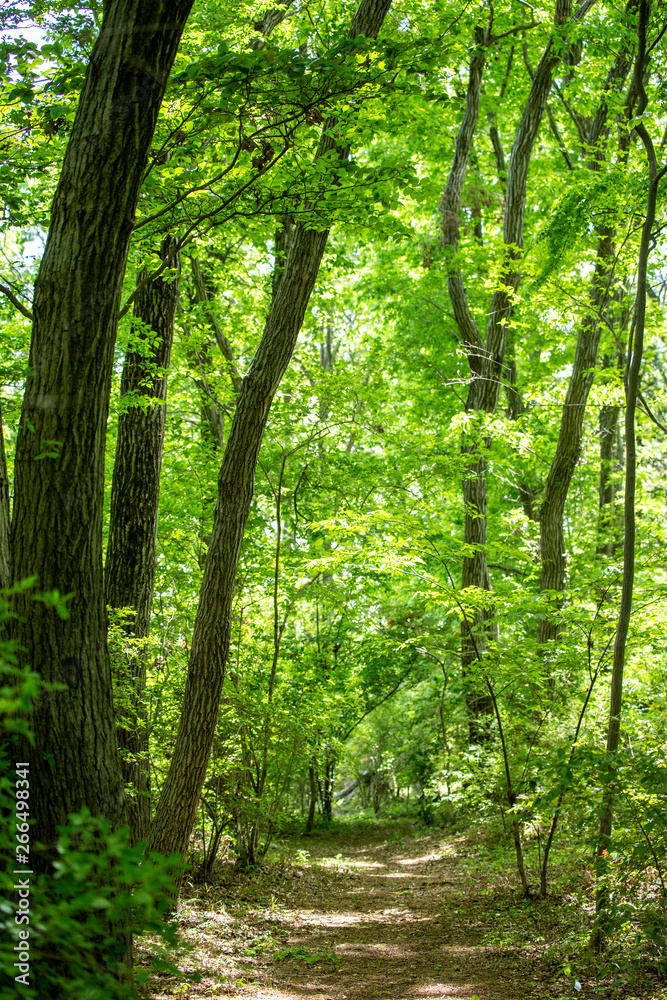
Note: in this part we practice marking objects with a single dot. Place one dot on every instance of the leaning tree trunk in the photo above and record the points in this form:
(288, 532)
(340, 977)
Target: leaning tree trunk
(59, 467)
(568, 447)
(486, 356)
(176, 810)
(570, 437)
(129, 572)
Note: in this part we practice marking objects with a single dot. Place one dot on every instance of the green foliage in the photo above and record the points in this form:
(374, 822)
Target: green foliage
(99, 883)
(346, 628)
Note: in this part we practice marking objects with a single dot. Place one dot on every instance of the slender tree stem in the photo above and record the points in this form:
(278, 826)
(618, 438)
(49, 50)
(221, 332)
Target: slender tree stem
(632, 382)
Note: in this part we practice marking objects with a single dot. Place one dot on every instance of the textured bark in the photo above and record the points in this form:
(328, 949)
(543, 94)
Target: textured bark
(450, 207)
(129, 572)
(632, 383)
(59, 479)
(486, 356)
(177, 806)
(475, 571)
(475, 574)
(5, 561)
(568, 447)
(280, 244)
(270, 20)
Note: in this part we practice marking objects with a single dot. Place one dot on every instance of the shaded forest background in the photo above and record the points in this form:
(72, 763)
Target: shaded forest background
(333, 479)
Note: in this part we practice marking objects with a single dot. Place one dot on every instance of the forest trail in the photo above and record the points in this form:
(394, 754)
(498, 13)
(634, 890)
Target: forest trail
(380, 914)
(401, 925)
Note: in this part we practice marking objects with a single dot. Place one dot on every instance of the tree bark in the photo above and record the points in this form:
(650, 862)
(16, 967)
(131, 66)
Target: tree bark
(475, 571)
(312, 783)
(131, 562)
(607, 488)
(568, 447)
(608, 428)
(176, 810)
(486, 357)
(5, 515)
(632, 382)
(328, 784)
(59, 479)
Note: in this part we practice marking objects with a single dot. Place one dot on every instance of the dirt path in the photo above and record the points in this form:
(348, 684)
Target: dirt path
(399, 926)
(420, 918)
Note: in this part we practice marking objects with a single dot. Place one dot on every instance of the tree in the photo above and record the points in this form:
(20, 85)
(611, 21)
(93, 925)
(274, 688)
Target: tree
(59, 465)
(632, 382)
(486, 357)
(176, 809)
(129, 571)
(568, 447)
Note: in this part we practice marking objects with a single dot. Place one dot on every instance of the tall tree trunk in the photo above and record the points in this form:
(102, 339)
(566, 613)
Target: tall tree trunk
(59, 479)
(486, 356)
(632, 382)
(177, 806)
(129, 572)
(5, 516)
(475, 571)
(607, 488)
(608, 430)
(568, 447)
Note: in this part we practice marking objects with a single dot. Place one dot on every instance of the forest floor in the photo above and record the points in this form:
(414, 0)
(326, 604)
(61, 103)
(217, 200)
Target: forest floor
(386, 911)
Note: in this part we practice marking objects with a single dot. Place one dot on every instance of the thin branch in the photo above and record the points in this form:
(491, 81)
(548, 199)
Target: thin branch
(648, 412)
(378, 703)
(16, 302)
(514, 31)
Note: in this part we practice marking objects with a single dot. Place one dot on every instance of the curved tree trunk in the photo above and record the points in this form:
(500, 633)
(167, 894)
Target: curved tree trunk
(129, 572)
(486, 356)
(176, 810)
(59, 468)
(568, 447)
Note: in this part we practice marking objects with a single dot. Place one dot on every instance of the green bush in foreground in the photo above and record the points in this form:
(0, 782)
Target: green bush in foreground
(99, 883)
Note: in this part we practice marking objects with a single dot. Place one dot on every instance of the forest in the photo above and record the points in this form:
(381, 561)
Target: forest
(333, 589)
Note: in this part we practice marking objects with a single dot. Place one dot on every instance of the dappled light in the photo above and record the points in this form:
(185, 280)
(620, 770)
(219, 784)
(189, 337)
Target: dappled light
(333, 468)
(368, 921)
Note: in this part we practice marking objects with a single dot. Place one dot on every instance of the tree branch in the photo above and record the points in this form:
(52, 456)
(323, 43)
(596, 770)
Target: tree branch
(16, 302)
